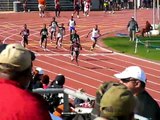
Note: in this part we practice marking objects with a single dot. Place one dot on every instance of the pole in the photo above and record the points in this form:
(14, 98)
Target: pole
(153, 14)
(135, 9)
(136, 46)
(158, 11)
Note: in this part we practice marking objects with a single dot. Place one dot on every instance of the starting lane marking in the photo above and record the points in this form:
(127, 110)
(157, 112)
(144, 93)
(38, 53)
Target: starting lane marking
(94, 54)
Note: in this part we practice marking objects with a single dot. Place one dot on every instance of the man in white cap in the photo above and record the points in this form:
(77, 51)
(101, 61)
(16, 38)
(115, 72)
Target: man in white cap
(132, 28)
(135, 79)
(16, 102)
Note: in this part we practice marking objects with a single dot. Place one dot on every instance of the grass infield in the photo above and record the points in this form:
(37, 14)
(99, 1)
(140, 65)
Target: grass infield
(123, 45)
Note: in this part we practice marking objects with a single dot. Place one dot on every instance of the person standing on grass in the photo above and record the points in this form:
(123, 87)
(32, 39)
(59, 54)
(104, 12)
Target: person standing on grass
(132, 28)
(53, 28)
(95, 34)
(25, 33)
(44, 35)
(41, 7)
(57, 8)
(60, 34)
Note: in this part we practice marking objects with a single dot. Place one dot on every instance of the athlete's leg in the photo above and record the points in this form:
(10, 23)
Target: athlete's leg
(41, 41)
(57, 42)
(76, 56)
(45, 47)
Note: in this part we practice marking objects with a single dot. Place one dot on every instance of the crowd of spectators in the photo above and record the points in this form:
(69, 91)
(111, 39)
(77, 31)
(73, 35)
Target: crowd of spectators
(122, 4)
(114, 100)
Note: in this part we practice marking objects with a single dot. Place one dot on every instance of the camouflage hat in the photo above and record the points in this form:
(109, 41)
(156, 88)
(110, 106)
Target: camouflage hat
(16, 56)
(117, 101)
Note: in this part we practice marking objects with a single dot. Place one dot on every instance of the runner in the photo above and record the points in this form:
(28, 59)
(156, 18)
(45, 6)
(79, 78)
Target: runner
(44, 35)
(57, 8)
(53, 28)
(95, 35)
(41, 7)
(86, 7)
(75, 37)
(71, 24)
(61, 33)
(82, 5)
(24, 33)
(75, 50)
(76, 8)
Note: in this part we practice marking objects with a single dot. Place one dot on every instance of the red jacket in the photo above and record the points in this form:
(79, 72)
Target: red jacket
(20, 104)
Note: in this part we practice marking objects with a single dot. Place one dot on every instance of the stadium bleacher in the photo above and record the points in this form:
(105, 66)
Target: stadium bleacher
(33, 5)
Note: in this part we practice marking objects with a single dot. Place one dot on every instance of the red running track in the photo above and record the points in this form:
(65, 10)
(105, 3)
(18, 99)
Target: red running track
(95, 66)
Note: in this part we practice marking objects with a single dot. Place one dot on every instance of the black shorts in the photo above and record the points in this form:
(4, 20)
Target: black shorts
(43, 37)
(77, 7)
(25, 40)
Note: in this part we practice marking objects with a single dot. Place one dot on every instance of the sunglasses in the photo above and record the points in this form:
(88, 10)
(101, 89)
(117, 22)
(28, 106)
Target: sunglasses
(126, 80)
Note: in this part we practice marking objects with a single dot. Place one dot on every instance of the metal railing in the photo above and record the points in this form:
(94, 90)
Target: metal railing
(66, 92)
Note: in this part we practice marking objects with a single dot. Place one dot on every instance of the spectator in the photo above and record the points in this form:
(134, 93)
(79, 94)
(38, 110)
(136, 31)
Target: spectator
(54, 99)
(45, 81)
(135, 79)
(132, 28)
(60, 109)
(99, 94)
(78, 101)
(25, 5)
(58, 82)
(117, 103)
(147, 29)
(16, 102)
(37, 78)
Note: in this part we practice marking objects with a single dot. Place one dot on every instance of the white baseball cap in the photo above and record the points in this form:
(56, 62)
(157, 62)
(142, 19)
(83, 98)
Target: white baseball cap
(40, 70)
(132, 72)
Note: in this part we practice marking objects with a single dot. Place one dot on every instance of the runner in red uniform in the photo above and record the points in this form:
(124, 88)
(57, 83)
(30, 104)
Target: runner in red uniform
(76, 5)
(57, 8)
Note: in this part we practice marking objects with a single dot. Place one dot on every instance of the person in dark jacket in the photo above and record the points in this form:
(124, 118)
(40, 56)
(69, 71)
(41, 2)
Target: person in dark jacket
(132, 28)
(135, 79)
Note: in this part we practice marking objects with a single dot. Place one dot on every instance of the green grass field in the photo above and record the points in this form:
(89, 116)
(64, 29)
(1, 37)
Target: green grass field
(123, 45)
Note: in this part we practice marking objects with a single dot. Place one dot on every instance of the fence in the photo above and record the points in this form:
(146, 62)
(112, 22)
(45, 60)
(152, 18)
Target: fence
(7, 5)
(66, 92)
(149, 44)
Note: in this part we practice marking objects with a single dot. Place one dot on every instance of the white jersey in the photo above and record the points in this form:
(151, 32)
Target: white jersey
(95, 33)
(53, 26)
(86, 6)
(71, 23)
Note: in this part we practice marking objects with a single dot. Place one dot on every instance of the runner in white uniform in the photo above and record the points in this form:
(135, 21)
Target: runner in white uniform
(95, 34)
(71, 24)
(60, 34)
(53, 28)
(86, 8)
